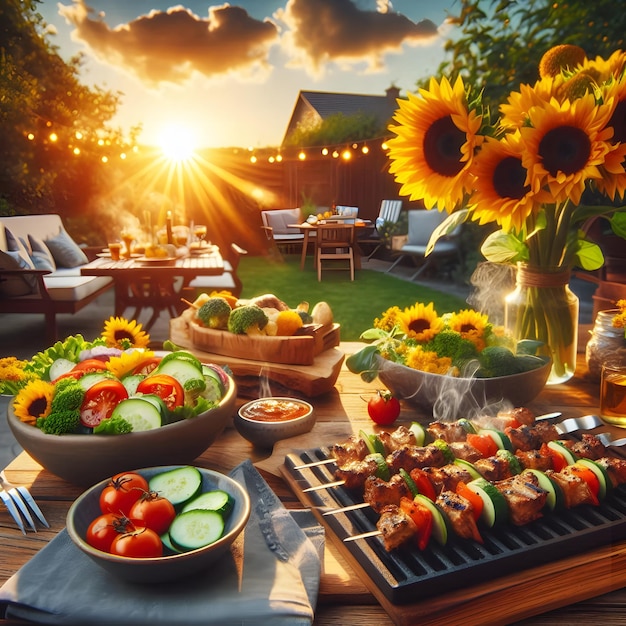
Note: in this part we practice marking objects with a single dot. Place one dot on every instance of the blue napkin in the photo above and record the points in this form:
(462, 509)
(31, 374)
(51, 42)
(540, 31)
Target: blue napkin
(274, 580)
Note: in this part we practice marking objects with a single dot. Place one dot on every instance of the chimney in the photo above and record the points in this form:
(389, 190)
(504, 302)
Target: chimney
(393, 93)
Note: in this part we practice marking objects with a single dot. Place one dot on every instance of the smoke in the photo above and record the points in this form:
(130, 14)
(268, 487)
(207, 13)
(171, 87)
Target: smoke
(492, 282)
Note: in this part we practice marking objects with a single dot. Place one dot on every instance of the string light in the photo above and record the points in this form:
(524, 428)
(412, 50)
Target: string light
(346, 155)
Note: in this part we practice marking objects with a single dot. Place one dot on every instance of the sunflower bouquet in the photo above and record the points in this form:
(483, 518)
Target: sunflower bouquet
(458, 344)
(526, 173)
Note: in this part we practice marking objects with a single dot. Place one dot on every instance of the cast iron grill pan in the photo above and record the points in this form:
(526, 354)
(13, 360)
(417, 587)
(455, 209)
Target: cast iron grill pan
(408, 574)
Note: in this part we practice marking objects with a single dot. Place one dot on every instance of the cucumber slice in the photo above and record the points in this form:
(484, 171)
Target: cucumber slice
(180, 355)
(158, 403)
(466, 465)
(440, 525)
(603, 478)
(502, 441)
(195, 529)
(182, 369)
(373, 443)
(419, 432)
(368, 442)
(555, 499)
(217, 500)
(564, 451)
(178, 485)
(467, 426)
(167, 544)
(139, 413)
(131, 382)
(445, 448)
(89, 380)
(514, 465)
(60, 367)
(409, 482)
(495, 509)
(218, 383)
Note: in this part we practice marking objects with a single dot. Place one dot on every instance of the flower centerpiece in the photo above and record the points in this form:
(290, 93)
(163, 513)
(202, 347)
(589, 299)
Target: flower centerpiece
(421, 355)
(525, 173)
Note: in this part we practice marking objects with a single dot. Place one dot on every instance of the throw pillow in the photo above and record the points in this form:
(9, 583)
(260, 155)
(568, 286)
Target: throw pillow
(15, 245)
(65, 250)
(13, 286)
(41, 256)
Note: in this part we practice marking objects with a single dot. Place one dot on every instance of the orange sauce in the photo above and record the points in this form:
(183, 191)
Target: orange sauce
(270, 410)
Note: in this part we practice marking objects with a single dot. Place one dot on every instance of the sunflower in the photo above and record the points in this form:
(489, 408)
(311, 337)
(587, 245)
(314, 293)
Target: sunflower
(436, 138)
(619, 319)
(127, 361)
(471, 325)
(420, 322)
(33, 401)
(388, 319)
(565, 145)
(120, 333)
(514, 112)
(502, 193)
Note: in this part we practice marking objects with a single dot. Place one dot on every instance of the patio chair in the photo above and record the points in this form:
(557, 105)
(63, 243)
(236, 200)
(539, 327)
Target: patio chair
(422, 224)
(389, 213)
(334, 242)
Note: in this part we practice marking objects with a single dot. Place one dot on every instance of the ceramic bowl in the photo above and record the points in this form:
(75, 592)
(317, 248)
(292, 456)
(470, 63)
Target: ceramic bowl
(86, 459)
(166, 568)
(451, 398)
(258, 420)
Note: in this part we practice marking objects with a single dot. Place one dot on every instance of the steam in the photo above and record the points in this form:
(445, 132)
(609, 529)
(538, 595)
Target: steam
(492, 282)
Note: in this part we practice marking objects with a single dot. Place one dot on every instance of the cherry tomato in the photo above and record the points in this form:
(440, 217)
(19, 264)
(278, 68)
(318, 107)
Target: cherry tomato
(141, 543)
(148, 365)
(383, 408)
(153, 511)
(89, 365)
(164, 386)
(100, 400)
(122, 491)
(104, 529)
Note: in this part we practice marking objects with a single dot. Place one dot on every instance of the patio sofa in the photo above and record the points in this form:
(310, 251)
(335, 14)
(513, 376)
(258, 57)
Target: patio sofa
(276, 226)
(40, 270)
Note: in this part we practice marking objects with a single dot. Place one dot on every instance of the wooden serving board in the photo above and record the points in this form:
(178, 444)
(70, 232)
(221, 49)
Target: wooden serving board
(251, 375)
(296, 350)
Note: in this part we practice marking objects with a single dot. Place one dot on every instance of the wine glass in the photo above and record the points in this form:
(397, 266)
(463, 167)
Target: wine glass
(200, 232)
(127, 238)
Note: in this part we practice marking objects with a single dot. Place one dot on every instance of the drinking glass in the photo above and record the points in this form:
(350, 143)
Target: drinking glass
(613, 393)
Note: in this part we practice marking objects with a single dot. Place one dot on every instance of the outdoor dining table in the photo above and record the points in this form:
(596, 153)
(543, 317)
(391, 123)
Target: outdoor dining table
(151, 283)
(583, 588)
(308, 230)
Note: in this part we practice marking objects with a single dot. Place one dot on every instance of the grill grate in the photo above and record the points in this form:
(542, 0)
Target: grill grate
(408, 575)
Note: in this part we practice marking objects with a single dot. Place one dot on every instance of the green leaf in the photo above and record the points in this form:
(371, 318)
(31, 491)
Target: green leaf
(618, 224)
(589, 255)
(501, 247)
(371, 334)
(364, 362)
(453, 221)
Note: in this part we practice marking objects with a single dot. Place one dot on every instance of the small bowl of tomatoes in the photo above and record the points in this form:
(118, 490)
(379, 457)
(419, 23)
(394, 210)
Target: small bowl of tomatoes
(141, 420)
(143, 526)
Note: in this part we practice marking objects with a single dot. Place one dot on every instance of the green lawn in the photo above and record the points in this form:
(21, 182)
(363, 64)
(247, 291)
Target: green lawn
(354, 304)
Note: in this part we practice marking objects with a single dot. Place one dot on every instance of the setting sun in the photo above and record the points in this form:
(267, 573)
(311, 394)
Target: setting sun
(177, 142)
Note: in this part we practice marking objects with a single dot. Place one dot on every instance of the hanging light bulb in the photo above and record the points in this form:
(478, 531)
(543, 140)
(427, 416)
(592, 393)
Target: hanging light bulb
(325, 151)
(365, 149)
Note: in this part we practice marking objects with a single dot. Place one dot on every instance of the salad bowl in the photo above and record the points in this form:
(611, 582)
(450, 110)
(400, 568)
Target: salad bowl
(85, 459)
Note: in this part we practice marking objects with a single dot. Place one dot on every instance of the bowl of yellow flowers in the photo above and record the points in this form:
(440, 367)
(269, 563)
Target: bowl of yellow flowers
(453, 365)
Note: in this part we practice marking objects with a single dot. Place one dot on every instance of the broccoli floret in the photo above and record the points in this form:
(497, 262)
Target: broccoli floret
(60, 422)
(307, 318)
(68, 395)
(248, 319)
(449, 343)
(497, 361)
(214, 313)
(113, 426)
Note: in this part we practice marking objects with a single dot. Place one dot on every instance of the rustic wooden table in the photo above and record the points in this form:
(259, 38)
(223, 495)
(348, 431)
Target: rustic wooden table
(565, 592)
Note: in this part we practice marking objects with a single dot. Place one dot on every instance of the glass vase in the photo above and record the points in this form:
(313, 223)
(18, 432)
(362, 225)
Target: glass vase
(606, 343)
(543, 308)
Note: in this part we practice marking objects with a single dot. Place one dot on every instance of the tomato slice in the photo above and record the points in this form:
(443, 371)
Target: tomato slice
(423, 484)
(590, 478)
(473, 498)
(558, 460)
(100, 400)
(164, 386)
(483, 443)
(147, 366)
(89, 365)
(423, 519)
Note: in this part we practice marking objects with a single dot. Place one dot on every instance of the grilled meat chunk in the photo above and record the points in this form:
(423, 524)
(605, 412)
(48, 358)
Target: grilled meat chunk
(493, 468)
(355, 473)
(396, 527)
(575, 489)
(524, 497)
(589, 447)
(533, 459)
(447, 477)
(415, 456)
(448, 431)
(460, 513)
(524, 437)
(353, 449)
(465, 451)
(379, 493)
(401, 437)
(616, 469)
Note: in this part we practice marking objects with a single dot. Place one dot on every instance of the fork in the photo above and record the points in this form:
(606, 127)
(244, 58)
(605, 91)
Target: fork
(18, 500)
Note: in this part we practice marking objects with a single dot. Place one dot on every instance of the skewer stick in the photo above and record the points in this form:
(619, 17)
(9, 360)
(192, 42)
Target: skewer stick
(371, 533)
(191, 304)
(337, 483)
(345, 509)
(315, 463)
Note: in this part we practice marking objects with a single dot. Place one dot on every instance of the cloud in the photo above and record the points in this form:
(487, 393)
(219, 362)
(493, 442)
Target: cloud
(170, 46)
(322, 31)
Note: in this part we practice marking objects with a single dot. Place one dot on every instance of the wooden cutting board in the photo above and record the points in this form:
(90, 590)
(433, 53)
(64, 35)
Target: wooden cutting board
(251, 375)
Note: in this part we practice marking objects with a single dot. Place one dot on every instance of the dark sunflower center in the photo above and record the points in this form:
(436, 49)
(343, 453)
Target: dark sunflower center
(508, 178)
(120, 335)
(466, 328)
(565, 149)
(442, 147)
(618, 122)
(419, 325)
(37, 407)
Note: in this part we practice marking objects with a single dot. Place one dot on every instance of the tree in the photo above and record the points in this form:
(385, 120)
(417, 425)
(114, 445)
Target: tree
(337, 128)
(53, 128)
(502, 41)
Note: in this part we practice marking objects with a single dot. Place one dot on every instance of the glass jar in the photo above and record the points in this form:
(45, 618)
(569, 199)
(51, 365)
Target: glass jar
(543, 308)
(606, 343)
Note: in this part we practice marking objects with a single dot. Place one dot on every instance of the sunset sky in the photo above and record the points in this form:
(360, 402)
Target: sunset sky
(230, 74)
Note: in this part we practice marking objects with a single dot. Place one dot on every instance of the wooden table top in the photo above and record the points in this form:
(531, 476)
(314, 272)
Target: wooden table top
(569, 589)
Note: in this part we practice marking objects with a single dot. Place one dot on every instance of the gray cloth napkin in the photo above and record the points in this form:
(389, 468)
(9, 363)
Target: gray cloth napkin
(276, 582)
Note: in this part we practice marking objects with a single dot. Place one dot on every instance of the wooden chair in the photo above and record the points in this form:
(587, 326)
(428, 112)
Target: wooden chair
(389, 213)
(334, 242)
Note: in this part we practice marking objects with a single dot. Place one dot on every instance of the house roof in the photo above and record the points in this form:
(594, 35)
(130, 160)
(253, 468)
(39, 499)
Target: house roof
(312, 107)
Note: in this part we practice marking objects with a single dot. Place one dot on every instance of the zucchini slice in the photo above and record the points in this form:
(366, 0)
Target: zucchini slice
(564, 451)
(419, 432)
(409, 482)
(495, 510)
(466, 465)
(555, 499)
(178, 485)
(440, 525)
(601, 474)
(501, 440)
